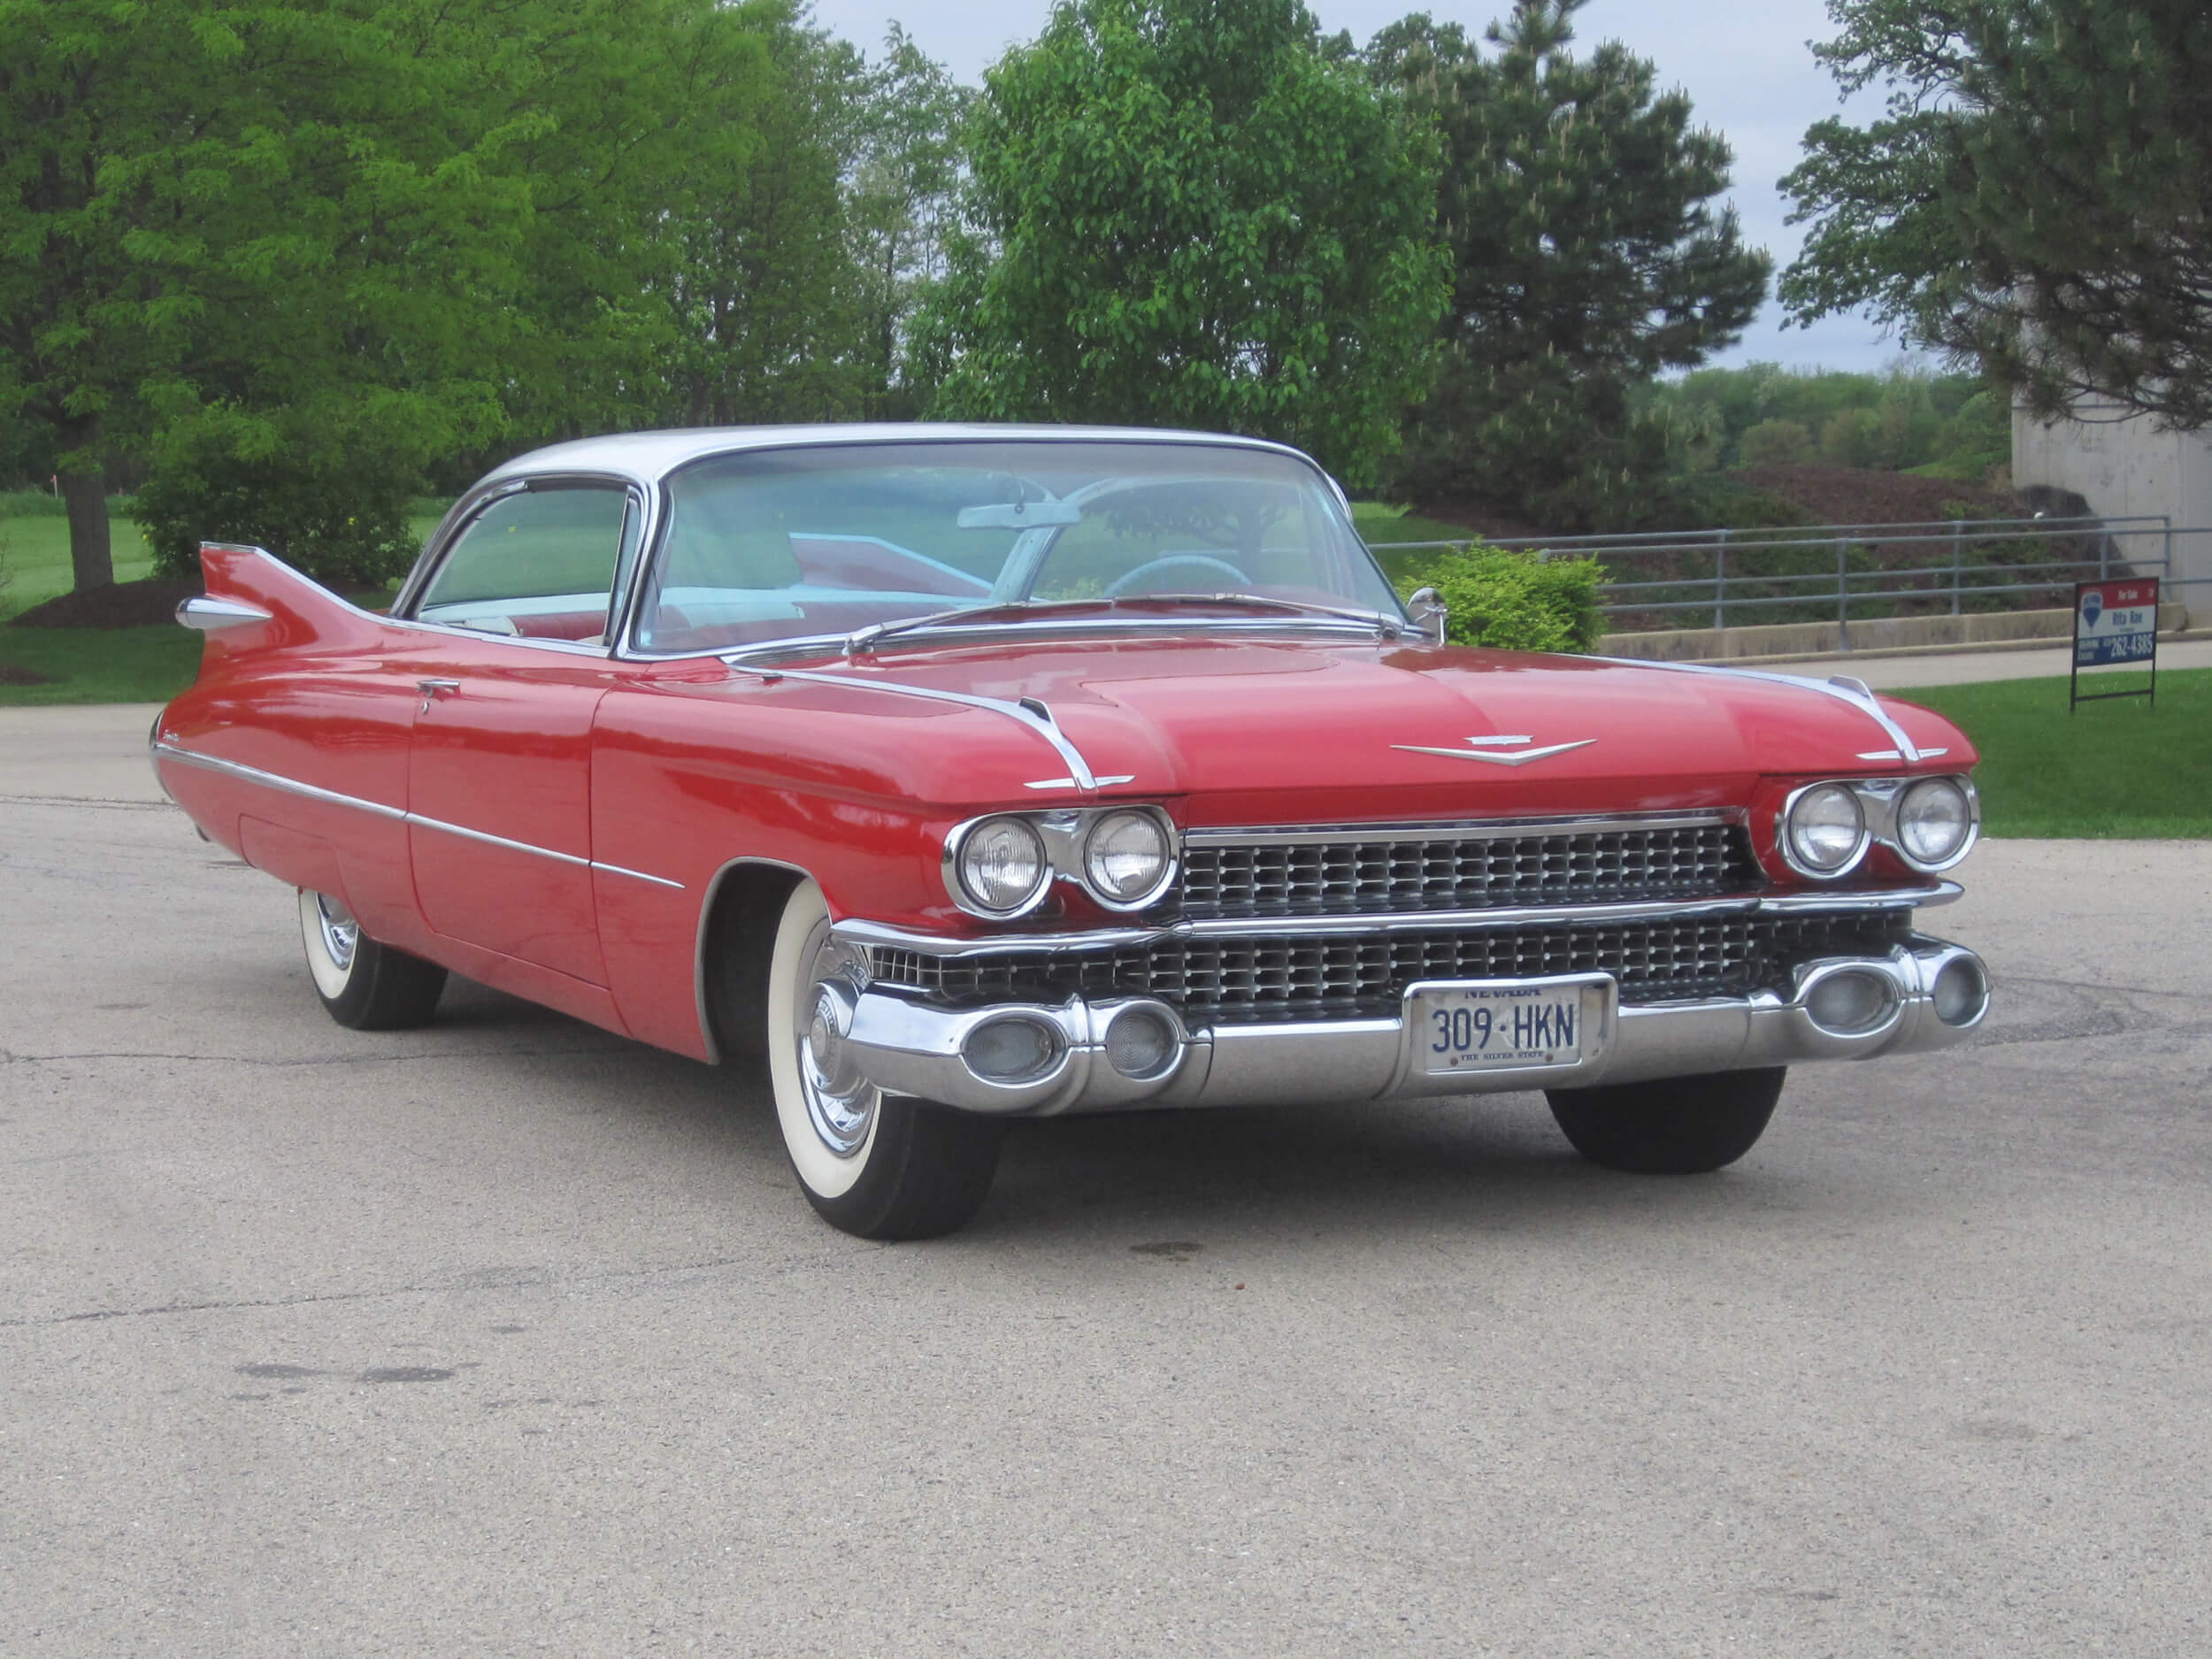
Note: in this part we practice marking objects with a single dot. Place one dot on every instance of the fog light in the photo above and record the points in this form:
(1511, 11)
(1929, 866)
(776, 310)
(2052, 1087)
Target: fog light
(1849, 1004)
(1961, 993)
(1139, 1043)
(1011, 1051)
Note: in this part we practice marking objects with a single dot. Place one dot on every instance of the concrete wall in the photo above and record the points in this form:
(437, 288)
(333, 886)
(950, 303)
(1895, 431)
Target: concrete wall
(2127, 467)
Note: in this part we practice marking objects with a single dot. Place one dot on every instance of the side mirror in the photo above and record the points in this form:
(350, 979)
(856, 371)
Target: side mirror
(1426, 608)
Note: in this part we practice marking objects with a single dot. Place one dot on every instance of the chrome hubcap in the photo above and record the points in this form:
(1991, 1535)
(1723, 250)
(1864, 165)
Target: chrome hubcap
(342, 934)
(840, 1103)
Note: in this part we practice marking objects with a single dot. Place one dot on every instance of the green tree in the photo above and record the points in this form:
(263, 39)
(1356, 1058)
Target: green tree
(1588, 255)
(748, 245)
(2037, 195)
(1189, 213)
(312, 245)
(901, 205)
(206, 204)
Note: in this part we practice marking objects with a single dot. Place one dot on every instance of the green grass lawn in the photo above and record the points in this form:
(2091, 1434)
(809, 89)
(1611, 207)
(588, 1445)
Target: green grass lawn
(100, 665)
(2108, 770)
(35, 559)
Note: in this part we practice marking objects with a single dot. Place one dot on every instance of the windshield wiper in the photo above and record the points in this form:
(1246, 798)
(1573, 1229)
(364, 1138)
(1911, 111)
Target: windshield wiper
(1378, 620)
(860, 641)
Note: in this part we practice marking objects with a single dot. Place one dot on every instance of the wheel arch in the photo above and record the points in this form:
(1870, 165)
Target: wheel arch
(737, 933)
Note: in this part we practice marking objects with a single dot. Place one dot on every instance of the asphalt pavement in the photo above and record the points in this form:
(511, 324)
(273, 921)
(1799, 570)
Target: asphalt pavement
(509, 1336)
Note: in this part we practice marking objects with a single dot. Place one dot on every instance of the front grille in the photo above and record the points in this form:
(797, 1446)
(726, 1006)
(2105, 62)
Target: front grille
(1366, 872)
(1346, 976)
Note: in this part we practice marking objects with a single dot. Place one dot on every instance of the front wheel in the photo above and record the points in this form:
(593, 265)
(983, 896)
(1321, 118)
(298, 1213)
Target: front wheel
(1673, 1125)
(362, 984)
(875, 1166)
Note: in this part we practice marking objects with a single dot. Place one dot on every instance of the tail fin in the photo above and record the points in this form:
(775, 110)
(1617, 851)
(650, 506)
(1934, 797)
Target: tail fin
(256, 602)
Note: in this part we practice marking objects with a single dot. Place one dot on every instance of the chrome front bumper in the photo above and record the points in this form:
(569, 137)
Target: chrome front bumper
(908, 1046)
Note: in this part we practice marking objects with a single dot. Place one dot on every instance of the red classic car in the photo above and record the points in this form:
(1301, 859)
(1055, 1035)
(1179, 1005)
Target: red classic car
(975, 773)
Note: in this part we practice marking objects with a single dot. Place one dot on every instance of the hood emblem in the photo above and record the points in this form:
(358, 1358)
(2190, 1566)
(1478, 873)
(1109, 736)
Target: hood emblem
(1499, 751)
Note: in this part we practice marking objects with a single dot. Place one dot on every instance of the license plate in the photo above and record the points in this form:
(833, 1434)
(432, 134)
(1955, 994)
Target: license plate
(1475, 1027)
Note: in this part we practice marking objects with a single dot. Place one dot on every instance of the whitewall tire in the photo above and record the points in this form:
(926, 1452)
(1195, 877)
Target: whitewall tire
(880, 1166)
(362, 984)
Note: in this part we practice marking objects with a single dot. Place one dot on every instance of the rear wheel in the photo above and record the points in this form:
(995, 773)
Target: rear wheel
(876, 1166)
(1674, 1126)
(362, 984)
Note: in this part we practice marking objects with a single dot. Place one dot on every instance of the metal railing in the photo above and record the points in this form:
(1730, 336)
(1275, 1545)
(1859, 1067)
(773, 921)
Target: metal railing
(1839, 573)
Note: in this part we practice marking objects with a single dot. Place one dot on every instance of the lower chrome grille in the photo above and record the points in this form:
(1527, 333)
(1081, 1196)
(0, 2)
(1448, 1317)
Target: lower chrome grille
(1348, 975)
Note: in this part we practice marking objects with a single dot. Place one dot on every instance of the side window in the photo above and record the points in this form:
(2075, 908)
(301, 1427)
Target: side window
(539, 564)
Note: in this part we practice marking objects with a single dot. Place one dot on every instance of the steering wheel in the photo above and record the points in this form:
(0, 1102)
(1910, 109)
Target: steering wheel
(1129, 580)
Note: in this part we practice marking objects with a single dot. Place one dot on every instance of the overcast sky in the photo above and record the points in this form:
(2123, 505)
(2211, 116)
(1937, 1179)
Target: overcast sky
(1744, 64)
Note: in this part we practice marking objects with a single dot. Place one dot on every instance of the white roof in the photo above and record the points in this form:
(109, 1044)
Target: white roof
(649, 457)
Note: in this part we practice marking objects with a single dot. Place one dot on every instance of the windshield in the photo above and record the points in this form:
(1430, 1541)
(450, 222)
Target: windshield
(805, 542)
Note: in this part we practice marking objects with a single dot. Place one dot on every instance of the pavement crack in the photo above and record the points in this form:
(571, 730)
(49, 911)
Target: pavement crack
(534, 1278)
(273, 1064)
(112, 802)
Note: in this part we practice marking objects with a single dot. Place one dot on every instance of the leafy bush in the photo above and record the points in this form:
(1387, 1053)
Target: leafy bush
(1776, 443)
(344, 524)
(31, 503)
(1511, 601)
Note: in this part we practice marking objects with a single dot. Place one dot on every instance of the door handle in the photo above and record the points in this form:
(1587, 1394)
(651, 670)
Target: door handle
(432, 688)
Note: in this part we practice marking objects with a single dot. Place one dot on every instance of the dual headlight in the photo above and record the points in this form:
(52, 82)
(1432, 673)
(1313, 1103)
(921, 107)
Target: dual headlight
(1826, 828)
(1002, 866)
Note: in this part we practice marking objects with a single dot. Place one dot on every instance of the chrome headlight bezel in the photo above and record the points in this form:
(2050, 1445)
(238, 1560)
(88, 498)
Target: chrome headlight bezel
(1162, 876)
(1063, 835)
(1785, 830)
(1963, 787)
(1881, 802)
(963, 837)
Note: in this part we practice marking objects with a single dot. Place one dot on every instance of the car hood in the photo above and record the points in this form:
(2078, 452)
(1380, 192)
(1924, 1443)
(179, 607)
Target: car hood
(1277, 731)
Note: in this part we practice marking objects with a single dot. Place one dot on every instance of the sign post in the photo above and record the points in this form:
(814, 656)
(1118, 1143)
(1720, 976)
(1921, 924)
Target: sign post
(2114, 622)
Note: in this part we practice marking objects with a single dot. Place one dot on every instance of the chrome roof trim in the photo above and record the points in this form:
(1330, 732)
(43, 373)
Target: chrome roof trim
(1030, 711)
(649, 457)
(880, 935)
(1841, 687)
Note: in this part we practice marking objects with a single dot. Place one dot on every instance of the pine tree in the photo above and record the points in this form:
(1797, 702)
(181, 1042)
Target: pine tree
(1588, 256)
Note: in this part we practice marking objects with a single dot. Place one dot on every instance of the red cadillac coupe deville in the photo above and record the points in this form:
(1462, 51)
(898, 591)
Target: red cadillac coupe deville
(967, 773)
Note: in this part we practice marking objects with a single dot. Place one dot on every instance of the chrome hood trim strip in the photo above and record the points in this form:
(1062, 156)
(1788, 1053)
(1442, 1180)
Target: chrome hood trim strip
(162, 748)
(1030, 712)
(1843, 688)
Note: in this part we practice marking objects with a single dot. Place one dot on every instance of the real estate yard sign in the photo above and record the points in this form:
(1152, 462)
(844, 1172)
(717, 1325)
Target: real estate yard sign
(2114, 622)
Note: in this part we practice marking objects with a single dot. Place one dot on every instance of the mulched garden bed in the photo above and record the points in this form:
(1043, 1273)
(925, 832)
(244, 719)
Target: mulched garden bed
(118, 605)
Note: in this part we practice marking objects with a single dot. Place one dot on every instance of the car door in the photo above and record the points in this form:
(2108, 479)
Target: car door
(499, 773)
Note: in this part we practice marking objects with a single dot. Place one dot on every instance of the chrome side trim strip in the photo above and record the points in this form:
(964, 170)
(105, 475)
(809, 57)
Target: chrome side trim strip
(865, 933)
(272, 780)
(1023, 713)
(489, 840)
(1853, 692)
(1487, 829)
(635, 875)
(377, 808)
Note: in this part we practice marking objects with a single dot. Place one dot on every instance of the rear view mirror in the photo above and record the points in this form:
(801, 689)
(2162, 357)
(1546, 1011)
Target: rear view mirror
(1020, 515)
